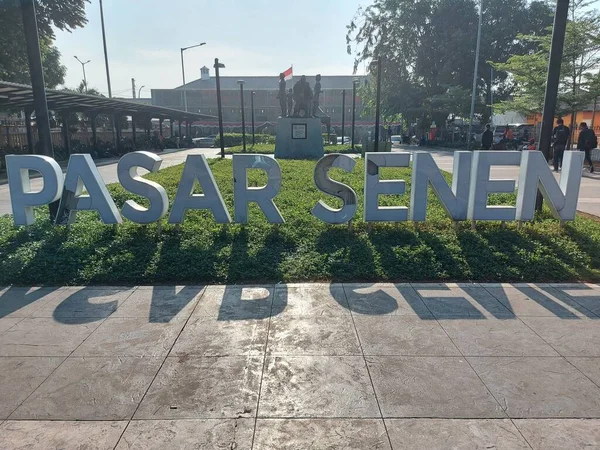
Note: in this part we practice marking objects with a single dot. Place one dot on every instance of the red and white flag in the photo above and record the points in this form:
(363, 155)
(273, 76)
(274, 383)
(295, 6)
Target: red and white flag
(289, 74)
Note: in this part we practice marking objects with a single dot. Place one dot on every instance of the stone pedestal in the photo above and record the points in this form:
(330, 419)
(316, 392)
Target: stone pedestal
(298, 139)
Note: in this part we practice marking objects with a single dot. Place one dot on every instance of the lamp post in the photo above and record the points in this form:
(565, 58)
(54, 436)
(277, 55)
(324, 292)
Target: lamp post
(474, 93)
(377, 64)
(83, 67)
(105, 51)
(140, 91)
(343, 114)
(252, 108)
(218, 66)
(183, 49)
(241, 83)
(354, 85)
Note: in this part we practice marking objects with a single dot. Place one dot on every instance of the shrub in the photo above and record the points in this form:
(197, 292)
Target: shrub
(235, 139)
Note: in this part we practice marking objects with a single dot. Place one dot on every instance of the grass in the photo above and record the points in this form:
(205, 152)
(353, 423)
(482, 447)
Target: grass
(303, 249)
(267, 149)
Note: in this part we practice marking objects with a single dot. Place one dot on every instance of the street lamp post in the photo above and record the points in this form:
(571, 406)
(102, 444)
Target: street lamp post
(474, 93)
(354, 85)
(105, 51)
(343, 114)
(83, 67)
(140, 91)
(241, 83)
(377, 63)
(252, 108)
(218, 66)
(183, 49)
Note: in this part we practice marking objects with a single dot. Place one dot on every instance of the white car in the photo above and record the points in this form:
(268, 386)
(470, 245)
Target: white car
(347, 140)
(396, 141)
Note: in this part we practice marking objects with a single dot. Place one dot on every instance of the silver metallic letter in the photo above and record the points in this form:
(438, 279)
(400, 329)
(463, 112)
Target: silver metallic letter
(335, 188)
(81, 172)
(482, 186)
(21, 196)
(455, 200)
(263, 196)
(374, 187)
(196, 168)
(535, 173)
(134, 183)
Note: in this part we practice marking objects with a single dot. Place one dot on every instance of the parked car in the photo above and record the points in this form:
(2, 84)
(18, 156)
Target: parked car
(397, 141)
(204, 142)
(347, 140)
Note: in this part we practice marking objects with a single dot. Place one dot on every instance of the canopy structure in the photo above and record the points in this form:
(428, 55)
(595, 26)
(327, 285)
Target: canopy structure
(20, 96)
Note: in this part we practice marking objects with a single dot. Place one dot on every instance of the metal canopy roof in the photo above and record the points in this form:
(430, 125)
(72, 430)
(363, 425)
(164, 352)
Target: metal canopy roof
(14, 96)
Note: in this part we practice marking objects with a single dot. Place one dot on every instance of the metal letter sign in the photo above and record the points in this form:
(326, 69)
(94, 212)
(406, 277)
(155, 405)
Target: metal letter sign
(466, 199)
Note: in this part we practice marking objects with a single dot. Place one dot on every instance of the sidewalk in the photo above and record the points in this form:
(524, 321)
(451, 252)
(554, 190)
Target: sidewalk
(281, 367)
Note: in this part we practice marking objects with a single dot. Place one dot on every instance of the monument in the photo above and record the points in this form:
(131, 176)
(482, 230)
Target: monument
(298, 136)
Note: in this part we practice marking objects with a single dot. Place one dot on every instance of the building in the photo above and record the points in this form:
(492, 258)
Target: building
(202, 98)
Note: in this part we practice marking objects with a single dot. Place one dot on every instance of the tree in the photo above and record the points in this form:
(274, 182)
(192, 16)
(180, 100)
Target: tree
(60, 14)
(429, 48)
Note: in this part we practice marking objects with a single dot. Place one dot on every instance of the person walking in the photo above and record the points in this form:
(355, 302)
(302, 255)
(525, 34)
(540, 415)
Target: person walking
(587, 142)
(487, 138)
(561, 136)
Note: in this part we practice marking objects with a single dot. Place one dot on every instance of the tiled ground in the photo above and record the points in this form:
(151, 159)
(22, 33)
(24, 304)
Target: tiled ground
(299, 366)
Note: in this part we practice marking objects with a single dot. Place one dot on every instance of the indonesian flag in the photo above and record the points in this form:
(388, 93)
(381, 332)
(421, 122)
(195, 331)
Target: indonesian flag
(289, 74)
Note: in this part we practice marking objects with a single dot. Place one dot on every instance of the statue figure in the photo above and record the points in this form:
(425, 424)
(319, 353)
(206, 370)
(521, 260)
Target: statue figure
(282, 96)
(302, 98)
(317, 95)
(290, 102)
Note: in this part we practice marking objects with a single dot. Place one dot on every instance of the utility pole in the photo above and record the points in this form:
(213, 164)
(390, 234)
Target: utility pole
(105, 50)
(553, 81)
(38, 85)
(218, 66)
(377, 63)
(354, 84)
(133, 88)
(343, 114)
(252, 108)
(241, 83)
(474, 94)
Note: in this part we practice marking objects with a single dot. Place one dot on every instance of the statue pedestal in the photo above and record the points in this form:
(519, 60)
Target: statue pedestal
(298, 138)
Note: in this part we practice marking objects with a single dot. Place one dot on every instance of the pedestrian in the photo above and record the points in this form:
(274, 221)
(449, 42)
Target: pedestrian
(561, 136)
(487, 138)
(587, 142)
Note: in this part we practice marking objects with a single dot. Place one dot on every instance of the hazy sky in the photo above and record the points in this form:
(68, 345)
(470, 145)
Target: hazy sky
(251, 37)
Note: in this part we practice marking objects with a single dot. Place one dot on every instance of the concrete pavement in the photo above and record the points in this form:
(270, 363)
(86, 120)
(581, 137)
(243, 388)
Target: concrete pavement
(298, 366)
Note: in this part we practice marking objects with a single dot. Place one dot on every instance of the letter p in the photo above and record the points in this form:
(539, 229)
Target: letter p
(21, 196)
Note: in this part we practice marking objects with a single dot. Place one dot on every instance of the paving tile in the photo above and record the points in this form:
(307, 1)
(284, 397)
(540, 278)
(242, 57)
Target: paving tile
(39, 435)
(206, 336)
(131, 337)
(301, 434)
(85, 304)
(560, 434)
(235, 302)
(463, 303)
(317, 386)
(589, 366)
(203, 388)
(310, 300)
(161, 305)
(22, 302)
(7, 322)
(91, 389)
(382, 299)
(403, 336)
(297, 336)
(493, 337)
(532, 302)
(443, 434)
(188, 435)
(430, 387)
(585, 296)
(19, 377)
(539, 387)
(45, 337)
(568, 337)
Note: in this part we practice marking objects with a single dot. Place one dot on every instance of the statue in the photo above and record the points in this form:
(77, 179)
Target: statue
(290, 102)
(302, 98)
(316, 98)
(282, 96)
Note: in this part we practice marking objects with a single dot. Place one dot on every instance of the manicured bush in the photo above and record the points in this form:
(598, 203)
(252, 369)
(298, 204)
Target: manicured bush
(234, 139)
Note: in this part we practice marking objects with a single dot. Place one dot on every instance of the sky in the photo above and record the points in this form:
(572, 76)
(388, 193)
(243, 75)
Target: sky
(251, 37)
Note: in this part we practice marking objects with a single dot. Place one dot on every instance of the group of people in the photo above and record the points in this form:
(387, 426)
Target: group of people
(301, 101)
(561, 138)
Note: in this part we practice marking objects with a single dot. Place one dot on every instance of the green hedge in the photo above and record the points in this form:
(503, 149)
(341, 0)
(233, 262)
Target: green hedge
(234, 139)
